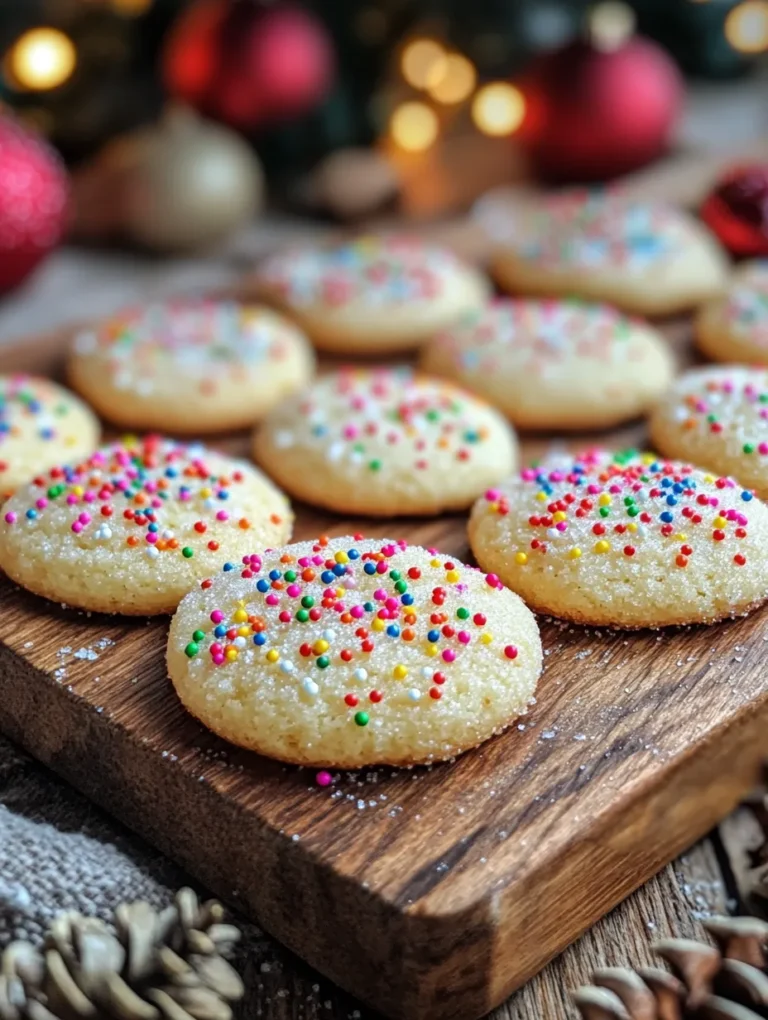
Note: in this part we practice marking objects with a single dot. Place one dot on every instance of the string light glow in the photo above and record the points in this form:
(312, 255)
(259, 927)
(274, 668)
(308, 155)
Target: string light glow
(424, 63)
(498, 108)
(414, 126)
(746, 27)
(457, 82)
(42, 59)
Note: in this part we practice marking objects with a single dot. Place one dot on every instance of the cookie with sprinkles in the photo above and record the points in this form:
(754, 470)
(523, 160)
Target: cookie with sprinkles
(734, 327)
(718, 418)
(190, 365)
(136, 525)
(551, 364)
(645, 258)
(384, 442)
(41, 424)
(373, 295)
(625, 540)
(348, 652)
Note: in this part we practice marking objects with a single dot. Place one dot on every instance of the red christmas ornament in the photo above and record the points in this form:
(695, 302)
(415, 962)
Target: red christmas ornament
(736, 210)
(247, 64)
(33, 202)
(594, 113)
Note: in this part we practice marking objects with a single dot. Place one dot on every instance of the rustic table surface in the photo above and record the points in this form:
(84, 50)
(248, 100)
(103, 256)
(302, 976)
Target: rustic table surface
(80, 283)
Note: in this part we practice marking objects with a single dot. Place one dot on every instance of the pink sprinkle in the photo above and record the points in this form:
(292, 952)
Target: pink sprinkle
(77, 527)
(763, 448)
(222, 515)
(304, 561)
(492, 580)
(493, 495)
(11, 518)
(323, 778)
(41, 503)
(71, 499)
(381, 567)
(357, 612)
(392, 603)
(380, 595)
(350, 431)
(284, 617)
(151, 537)
(219, 659)
(449, 655)
(157, 503)
(293, 590)
(216, 648)
(388, 550)
(89, 497)
(511, 652)
(217, 616)
(84, 518)
(464, 637)
(272, 600)
(317, 561)
(528, 475)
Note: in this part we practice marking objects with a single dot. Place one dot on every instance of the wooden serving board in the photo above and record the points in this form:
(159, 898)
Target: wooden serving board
(432, 892)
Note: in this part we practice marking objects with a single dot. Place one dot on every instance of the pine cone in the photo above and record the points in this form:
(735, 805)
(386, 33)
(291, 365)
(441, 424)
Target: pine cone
(727, 982)
(166, 965)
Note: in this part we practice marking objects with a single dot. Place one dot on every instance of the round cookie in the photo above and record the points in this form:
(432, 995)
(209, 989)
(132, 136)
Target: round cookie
(374, 295)
(134, 527)
(734, 327)
(555, 364)
(644, 258)
(41, 424)
(190, 365)
(625, 540)
(385, 442)
(350, 652)
(718, 418)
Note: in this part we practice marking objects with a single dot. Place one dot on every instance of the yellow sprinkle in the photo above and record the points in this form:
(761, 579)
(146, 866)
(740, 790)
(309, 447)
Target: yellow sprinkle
(602, 546)
(559, 515)
(709, 478)
(680, 536)
(400, 672)
(541, 497)
(493, 507)
(240, 616)
(632, 527)
(273, 655)
(341, 557)
(486, 638)
(340, 592)
(320, 646)
(377, 624)
(574, 553)
(719, 522)
(205, 492)
(77, 490)
(649, 458)
(604, 500)
(432, 650)
(521, 557)
(452, 576)
(434, 563)
(244, 631)
(231, 654)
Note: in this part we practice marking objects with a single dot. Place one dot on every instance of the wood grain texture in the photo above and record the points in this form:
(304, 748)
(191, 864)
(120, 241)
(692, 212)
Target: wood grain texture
(431, 892)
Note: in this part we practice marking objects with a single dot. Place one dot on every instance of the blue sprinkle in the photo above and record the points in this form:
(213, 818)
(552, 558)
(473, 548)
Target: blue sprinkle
(407, 599)
(153, 528)
(327, 576)
(671, 501)
(171, 472)
(667, 517)
(433, 635)
(339, 570)
(262, 585)
(260, 638)
(393, 630)
(353, 554)
(368, 607)
(370, 568)
(678, 487)
(31, 514)
(220, 631)
(275, 575)
(228, 567)
(223, 494)
(746, 496)
(666, 482)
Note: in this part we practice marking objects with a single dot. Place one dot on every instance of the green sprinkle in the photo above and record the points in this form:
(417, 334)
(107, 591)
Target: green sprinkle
(431, 415)
(395, 575)
(361, 718)
(462, 613)
(307, 602)
(323, 662)
(290, 575)
(748, 448)
(633, 511)
(629, 500)
(302, 616)
(374, 465)
(191, 650)
(604, 511)
(187, 553)
(198, 636)
(401, 586)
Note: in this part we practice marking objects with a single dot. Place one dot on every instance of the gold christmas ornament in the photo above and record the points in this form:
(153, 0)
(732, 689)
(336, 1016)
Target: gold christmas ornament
(159, 965)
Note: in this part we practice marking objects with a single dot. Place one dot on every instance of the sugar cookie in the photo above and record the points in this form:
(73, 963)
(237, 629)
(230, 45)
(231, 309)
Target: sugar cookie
(734, 327)
(718, 418)
(347, 652)
(131, 529)
(643, 258)
(190, 365)
(374, 295)
(41, 424)
(625, 540)
(385, 442)
(555, 364)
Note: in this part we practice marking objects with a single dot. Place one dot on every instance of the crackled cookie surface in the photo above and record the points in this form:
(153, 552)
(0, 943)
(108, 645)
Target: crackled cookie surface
(385, 442)
(734, 327)
(625, 540)
(551, 364)
(374, 295)
(644, 258)
(134, 527)
(718, 418)
(190, 365)
(41, 424)
(349, 652)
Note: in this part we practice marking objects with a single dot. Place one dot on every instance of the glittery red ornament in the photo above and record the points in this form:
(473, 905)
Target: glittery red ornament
(736, 210)
(248, 64)
(33, 202)
(593, 114)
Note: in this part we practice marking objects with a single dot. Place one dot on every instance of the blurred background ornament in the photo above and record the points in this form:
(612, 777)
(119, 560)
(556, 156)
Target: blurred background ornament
(184, 183)
(737, 210)
(602, 105)
(33, 202)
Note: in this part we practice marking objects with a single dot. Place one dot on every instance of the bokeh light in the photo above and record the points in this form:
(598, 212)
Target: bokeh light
(457, 81)
(610, 24)
(414, 126)
(423, 63)
(498, 108)
(746, 27)
(131, 8)
(41, 59)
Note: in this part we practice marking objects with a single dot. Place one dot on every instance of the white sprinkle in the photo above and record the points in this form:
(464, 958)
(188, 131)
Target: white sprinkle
(414, 695)
(329, 635)
(239, 642)
(309, 686)
(287, 666)
(427, 672)
(360, 674)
